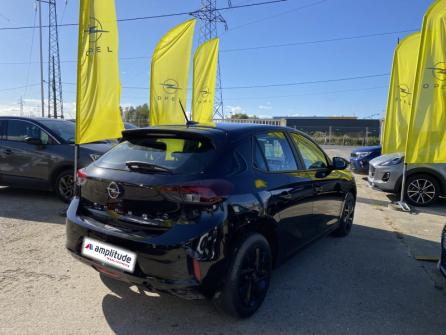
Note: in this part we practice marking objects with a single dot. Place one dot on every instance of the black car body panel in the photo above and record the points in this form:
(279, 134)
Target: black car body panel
(28, 165)
(183, 247)
(442, 263)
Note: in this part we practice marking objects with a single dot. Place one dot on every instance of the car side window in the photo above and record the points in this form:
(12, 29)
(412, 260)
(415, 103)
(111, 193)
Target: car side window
(18, 131)
(259, 161)
(277, 151)
(312, 156)
(2, 129)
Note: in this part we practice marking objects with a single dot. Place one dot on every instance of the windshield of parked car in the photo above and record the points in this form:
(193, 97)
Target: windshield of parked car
(63, 129)
(178, 155)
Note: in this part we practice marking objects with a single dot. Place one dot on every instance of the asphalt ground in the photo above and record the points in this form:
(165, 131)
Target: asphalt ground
(367, 283)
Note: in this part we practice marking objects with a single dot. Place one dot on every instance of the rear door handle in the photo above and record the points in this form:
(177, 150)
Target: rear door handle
(286, 195)
(8, 151)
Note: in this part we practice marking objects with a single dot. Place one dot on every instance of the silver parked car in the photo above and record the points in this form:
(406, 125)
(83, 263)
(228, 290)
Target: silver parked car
(424, 183)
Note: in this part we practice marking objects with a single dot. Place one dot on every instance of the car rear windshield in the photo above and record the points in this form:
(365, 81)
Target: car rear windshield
(173, 155)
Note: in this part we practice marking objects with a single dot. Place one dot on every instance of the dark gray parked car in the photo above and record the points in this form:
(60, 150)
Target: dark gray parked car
(38, 153)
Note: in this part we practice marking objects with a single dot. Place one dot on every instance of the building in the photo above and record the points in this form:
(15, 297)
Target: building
(328, 130)
(335, 126)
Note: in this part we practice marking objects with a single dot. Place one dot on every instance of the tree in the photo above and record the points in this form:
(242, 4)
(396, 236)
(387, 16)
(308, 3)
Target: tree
(240, 116)
(138, 115)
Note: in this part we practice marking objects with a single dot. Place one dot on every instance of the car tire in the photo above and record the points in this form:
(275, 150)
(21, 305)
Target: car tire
(248, 277)
(346, 217)
(63, 183)
(421, 190)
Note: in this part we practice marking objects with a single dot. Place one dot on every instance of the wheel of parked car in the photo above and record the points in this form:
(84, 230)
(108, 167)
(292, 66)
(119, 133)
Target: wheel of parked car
(248, 277)
(64, 185)
(421, 190)
(347, 215)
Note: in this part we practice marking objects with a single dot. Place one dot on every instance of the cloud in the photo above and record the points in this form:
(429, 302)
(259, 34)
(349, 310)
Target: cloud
(32, 107)
(235, 109)
(267, 106)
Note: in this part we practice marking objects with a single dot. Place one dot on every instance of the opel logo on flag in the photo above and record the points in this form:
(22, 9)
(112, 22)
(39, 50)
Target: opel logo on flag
(439, 71)
(204, 92)
(404, 90)
(113, 190)
(95, 29)
(170, 86)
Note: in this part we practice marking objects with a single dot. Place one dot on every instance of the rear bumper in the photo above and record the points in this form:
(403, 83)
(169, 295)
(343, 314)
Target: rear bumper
(167, 262)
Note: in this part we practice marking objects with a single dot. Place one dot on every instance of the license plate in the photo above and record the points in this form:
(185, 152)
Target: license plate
(109, 254)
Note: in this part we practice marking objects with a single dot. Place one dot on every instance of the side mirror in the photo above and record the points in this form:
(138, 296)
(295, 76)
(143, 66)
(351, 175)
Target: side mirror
(33, 141)
(339, 163)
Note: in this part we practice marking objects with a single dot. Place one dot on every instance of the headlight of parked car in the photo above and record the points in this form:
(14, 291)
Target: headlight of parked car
(94, 157)
(393, 161)
(362, 154)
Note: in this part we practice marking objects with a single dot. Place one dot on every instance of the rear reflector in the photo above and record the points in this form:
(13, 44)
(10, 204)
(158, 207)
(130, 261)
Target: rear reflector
(197, 271)
(81, 177)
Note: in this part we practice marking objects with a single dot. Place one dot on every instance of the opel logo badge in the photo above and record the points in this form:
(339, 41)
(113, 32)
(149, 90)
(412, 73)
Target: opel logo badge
(170, 86)
(204, 92)
(95, 30)
(113, 190)
(439, 71)
(404, 90)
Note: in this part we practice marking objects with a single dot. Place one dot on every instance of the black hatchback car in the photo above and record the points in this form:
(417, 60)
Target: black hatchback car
(207, 211)
(442, 262)
(38, 153)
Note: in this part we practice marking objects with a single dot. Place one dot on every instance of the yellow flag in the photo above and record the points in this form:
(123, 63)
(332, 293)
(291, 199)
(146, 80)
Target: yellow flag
(170, 75)
(98, 116)
(426, 141)
(205, 77)
(400, 94)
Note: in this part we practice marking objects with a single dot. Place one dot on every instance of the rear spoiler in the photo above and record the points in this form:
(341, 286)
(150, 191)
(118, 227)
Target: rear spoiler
(186, 133)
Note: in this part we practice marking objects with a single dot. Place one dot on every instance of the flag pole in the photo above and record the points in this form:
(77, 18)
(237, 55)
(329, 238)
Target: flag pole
(402, 204)
(76, 167)
(78, 105)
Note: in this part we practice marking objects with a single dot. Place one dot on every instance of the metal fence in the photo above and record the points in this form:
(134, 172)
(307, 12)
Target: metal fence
(271, 122)
(343, 135)
(325, 135)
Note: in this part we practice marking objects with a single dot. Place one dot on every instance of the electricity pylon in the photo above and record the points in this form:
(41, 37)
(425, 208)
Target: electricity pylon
(55, 102)
(210, 18)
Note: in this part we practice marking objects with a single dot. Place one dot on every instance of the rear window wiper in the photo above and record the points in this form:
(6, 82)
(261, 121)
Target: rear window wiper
(147, 167)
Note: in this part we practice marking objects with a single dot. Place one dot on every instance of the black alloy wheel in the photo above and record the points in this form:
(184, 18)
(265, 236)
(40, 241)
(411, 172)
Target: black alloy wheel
(421, 190)
(248, 277)
(347, 216)
(64, 185)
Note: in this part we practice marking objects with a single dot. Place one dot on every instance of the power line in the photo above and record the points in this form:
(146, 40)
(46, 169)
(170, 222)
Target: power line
(17, 87)
(275, 85)
(156, 16)
(267, 46)
(319, 93)
(269, 17)
(309, 94)
(5, 17)
(63, 13)
(30, 56)
(337, 39)
(307, 82)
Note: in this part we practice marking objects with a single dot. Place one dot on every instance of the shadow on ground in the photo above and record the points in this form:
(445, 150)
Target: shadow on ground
(324, 289)
(30, 205)
(438, 208)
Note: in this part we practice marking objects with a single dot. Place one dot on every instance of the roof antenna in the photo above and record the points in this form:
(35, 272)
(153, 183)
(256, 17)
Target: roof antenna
(188, 122)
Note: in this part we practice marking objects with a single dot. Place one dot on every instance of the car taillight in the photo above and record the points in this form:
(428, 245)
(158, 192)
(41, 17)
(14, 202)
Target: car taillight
(203, 193)
(81, 177)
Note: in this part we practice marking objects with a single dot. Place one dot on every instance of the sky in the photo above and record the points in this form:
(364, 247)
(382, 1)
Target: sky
(316, 71)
